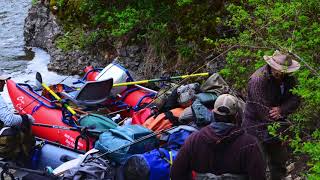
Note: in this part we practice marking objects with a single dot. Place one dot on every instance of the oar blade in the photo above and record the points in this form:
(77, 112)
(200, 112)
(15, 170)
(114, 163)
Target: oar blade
(39, 77)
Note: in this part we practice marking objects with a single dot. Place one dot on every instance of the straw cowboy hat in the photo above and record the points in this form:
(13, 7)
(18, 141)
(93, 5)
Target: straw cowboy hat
(282, 62)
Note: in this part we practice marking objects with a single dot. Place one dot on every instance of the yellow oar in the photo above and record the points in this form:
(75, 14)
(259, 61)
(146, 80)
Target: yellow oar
(39, 79)
(160, 79)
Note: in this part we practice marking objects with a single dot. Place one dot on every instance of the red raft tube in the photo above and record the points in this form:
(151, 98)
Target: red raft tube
(26, 100)
(134, 97)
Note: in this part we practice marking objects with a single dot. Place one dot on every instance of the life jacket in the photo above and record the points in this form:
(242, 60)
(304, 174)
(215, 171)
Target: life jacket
(139, 117)
(164, 120)
(56, 88)
(16, 144)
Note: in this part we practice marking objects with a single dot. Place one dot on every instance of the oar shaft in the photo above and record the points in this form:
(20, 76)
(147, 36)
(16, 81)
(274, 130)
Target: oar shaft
(59, 99)
(157, 80)
(131, 83)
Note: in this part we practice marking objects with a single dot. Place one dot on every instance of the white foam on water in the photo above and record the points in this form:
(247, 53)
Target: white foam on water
(38, 64)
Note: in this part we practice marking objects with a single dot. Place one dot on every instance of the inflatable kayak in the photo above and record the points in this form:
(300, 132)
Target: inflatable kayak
(26, 100)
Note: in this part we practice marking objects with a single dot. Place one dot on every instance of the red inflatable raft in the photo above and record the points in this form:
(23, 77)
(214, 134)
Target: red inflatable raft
(134, 97)
(26, 100)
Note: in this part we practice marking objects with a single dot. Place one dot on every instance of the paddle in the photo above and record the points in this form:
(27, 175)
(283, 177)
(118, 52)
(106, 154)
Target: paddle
(39, 79)
(161, 79)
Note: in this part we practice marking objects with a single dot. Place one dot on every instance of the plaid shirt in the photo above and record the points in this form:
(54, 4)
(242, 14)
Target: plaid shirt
(265, 92)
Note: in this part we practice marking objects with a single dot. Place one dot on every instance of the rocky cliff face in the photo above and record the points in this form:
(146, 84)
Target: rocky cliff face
(42, 28)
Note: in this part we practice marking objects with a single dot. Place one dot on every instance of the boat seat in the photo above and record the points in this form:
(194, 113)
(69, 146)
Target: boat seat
(91, 93)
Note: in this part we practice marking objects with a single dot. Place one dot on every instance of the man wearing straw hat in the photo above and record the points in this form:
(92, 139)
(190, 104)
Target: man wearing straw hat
(270, 100)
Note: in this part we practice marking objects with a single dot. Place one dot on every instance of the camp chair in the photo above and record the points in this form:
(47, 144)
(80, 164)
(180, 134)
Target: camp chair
(91, 93)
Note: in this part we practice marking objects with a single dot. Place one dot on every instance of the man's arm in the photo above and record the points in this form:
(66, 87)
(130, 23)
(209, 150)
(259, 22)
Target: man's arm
(181, 165)
(7, 116)
(257, 99)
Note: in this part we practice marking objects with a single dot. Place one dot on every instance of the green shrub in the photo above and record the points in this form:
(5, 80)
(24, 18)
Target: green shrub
(260, 27)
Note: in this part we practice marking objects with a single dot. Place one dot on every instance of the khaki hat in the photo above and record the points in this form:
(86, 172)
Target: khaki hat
(4, 77)
(226, 104)
(282, 62)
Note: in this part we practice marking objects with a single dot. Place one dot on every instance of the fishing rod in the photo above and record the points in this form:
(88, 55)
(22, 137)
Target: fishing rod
(78, 128)
(301, 59)
(46, 141)
(161, 79)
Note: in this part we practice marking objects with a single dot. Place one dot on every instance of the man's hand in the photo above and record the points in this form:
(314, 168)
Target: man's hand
(275, 113)
(27, 121)
(31, 119)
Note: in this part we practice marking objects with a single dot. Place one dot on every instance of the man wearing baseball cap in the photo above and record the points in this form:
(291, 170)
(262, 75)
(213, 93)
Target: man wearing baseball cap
(220, 148)
(269, 100)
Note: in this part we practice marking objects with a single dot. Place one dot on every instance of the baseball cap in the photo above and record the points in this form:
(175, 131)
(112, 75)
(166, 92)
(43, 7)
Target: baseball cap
(226, 104)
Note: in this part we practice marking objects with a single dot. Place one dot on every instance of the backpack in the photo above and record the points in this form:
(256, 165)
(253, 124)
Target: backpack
(207, 99)
(166, 98)
(125, 135)
(198, 113)
(98, 122)
(153, 165)
(16, 144)
(203, 116)
(215, 84)
(176, 137)
(92, 168)
(164, 120)
(186, 94)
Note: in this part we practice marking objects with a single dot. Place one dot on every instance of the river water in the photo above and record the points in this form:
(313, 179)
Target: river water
(16, 60)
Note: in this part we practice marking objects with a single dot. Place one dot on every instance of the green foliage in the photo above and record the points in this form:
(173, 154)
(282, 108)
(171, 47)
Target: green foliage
(76, 39)
(172, 27)
(183, 2)
(34, 2)
(185, 49)
(260, 27)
